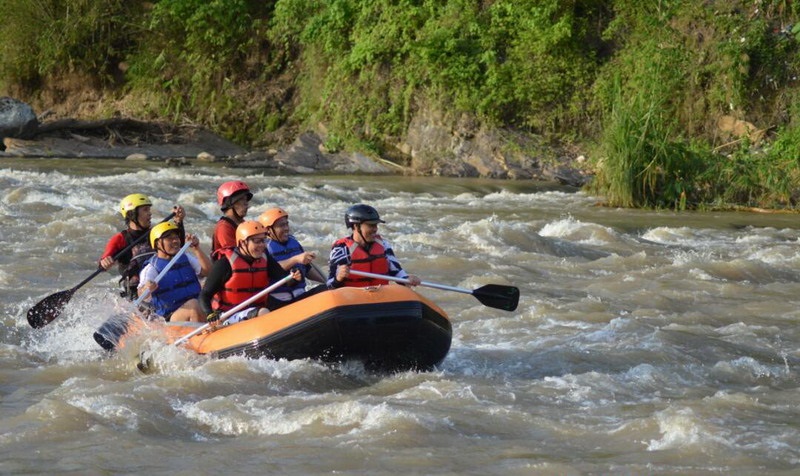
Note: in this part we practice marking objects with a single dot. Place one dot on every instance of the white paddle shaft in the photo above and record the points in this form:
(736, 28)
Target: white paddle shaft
(236, 309)
(172, 261)
(406, 281)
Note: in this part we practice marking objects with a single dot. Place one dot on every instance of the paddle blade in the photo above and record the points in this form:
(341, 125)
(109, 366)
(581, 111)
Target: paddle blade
(498, 296)
(49, 308)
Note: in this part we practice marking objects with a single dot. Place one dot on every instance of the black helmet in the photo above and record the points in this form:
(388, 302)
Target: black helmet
(361, 214)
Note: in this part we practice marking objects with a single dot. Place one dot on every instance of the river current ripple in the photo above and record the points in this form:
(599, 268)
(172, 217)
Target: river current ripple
(645, 341)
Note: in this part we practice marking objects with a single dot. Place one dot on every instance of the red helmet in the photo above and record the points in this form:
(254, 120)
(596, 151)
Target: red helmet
(227, 190)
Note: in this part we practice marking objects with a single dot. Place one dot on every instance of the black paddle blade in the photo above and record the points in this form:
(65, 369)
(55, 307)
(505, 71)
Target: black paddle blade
(498, 296)
(49, 308)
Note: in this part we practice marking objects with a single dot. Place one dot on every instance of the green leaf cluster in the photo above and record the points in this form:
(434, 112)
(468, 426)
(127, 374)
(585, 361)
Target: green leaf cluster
(522, 64)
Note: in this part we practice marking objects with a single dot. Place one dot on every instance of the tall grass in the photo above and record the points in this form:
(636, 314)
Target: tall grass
(205, 59)
(51, 38)
(643, 162)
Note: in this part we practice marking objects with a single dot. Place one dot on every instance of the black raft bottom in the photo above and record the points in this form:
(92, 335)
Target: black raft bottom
(390, 337)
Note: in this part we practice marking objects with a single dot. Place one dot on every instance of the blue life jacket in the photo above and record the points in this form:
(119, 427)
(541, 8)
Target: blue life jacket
(283, 251)
(179, 285)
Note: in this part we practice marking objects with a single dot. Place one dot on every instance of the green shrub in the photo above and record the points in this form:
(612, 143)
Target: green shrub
(197, 56)
(511, 63)
(758, 177)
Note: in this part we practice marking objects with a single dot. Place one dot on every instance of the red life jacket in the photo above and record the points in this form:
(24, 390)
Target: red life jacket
(247, 279)
(371, 261)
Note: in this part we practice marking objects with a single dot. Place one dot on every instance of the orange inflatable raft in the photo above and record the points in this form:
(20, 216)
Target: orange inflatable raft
(388, 327)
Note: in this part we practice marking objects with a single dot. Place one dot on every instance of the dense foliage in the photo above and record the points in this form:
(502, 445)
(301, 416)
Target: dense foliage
(641, 85)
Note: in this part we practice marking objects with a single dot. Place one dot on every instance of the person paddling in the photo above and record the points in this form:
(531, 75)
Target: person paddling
(136, 210)
(284, 248)
(174, 297)
(234, 200)
(239, 274)
(364, 250)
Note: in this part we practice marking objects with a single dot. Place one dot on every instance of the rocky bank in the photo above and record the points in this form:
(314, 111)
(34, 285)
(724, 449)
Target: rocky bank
(433, 145)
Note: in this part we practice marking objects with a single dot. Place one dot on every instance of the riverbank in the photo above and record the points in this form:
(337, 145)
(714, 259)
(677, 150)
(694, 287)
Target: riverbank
(181, 145)
(685, 106)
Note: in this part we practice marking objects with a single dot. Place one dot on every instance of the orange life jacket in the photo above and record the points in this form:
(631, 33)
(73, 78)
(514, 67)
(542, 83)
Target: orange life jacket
(371, 261)
(247, 279)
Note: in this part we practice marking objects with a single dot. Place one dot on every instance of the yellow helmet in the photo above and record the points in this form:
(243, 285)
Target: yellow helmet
(160, 229)
(269, 217)
(249, 228)
(132, 202)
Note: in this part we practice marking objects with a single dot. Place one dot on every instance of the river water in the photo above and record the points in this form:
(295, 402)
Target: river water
(644, 342)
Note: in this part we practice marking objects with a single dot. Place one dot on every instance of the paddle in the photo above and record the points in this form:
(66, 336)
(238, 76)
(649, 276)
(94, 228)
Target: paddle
(224, 317)
(46, 310)
(492, 295)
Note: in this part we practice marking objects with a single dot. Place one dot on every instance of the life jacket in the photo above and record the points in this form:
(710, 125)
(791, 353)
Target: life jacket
(282, 251)
(371, 261)
(179, 285)
(225, 226)
(247, 279)
(131, 262)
